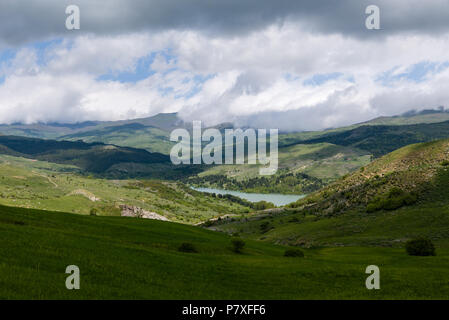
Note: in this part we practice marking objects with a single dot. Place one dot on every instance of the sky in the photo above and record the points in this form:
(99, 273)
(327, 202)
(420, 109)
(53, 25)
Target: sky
(287, 64)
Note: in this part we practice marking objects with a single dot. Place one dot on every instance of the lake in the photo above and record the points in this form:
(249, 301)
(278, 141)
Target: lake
(276, 199)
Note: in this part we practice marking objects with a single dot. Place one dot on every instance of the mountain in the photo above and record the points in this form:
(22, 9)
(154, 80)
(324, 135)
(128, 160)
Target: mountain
(307, 160)
(303, 168)
(380, 139)
(400, 196)
(417, 172)
(91, 157)
(150, 133)
(408, 118)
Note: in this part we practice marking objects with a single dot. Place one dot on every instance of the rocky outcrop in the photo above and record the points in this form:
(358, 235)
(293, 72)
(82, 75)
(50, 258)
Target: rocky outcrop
(136, 212)
(84, 193)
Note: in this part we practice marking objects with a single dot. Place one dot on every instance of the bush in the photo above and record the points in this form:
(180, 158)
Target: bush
(187, 247)
(93, 212)
(262, 205)
(445, 163)
(294, 253)
(395, 199)
(237, 245)
(420, 247)
(265, 226)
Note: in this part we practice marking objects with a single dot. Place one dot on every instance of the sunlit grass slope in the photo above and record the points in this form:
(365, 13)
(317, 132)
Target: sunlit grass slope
(125, 258)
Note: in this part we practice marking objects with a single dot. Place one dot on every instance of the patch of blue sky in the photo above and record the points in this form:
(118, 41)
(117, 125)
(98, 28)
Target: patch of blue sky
(41, 49)
(319, 79)
(141, 71)
(6, 56)
(350, 78)
(416, 73)
(291, 77)
(198, 81)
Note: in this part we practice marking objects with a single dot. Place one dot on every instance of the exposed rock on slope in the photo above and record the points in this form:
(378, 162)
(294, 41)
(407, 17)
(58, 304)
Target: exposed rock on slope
(133, 211)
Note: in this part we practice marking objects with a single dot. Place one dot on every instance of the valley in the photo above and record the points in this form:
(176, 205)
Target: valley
(59, 199)
(48, 186)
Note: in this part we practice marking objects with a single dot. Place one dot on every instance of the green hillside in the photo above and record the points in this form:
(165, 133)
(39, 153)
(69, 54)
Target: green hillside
(146, 133)
(410, 118)
(400, 196)
(134, 134)
(45, 185)
(92, 157)
(379, 140)
(125, 258)
(152, 133)
(303, 168)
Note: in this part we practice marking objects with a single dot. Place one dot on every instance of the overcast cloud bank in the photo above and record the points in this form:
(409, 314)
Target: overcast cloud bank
(287, 64)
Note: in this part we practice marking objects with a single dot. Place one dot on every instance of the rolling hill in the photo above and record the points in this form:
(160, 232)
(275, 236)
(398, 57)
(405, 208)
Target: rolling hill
(93, 157)
(379, 140)
(397, 197)
(44, 185)
(152, 133)
(307, 160)
(125, 258)
(146, 133)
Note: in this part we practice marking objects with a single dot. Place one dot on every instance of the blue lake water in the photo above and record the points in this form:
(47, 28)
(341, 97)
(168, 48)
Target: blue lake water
(276, 199)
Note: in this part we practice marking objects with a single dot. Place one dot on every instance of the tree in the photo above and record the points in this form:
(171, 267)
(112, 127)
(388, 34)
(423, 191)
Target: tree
(237, 245)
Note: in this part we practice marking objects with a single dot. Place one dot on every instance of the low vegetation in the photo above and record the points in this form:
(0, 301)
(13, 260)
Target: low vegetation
(187, 247)
(44, 185)
(296, 253)
(420, 247)
(122, 258)
(237, 245)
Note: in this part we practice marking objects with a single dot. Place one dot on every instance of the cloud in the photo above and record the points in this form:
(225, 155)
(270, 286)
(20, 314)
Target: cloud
(293, 66)
(32, 20)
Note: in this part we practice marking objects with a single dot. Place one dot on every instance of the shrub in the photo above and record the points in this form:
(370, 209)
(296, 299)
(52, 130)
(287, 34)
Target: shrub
(187, 247)
(293, 253)
(208, 223)
(395, 199)
(294, 219)
(420, 247)
(445, 163)
(93, 212)
(237, 245)
(265, 226)
(262, 205)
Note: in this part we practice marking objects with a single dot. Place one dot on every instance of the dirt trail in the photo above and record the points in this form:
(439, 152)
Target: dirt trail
(47, 177)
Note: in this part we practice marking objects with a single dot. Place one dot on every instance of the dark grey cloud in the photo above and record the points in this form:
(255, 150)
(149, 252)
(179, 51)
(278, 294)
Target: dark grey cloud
(27, 20)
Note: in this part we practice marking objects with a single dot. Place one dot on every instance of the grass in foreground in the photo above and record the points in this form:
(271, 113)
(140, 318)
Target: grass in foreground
(126, 258)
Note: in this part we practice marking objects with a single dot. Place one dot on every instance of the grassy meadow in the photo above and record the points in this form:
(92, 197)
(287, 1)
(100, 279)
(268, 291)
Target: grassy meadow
(44, 185)
(126, 258)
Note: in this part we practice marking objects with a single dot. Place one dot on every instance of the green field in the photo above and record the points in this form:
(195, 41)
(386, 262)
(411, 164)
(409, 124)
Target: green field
(125, 258)
(303, 168)
(44, 185)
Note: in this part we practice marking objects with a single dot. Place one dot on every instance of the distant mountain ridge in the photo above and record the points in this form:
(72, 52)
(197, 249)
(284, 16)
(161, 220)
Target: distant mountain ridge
(93, 157)
(382, 139)
(152, 133)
